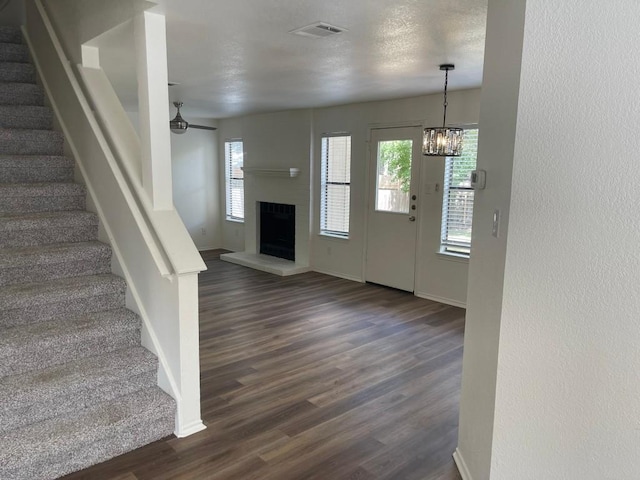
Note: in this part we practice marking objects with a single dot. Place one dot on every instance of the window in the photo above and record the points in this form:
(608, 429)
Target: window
(457, 205)
(336, 185)
(234, 179)
(394, 176)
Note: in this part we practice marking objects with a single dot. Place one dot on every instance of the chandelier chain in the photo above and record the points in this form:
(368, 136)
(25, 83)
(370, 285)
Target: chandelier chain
(446, 82)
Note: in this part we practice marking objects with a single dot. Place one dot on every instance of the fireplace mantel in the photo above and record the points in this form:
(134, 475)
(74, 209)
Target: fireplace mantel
(272, 172)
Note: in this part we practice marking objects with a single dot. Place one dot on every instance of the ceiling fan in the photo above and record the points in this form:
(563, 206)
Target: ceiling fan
(179, 125)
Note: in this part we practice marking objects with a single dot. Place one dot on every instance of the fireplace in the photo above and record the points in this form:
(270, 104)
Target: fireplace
(278, 230)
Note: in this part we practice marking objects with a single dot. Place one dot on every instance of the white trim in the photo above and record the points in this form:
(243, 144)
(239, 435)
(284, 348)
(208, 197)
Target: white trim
(334, 236)
(445, 300)
(453, 257)
(339, 275)
(462, 466)
(191, 429)
(205, 248)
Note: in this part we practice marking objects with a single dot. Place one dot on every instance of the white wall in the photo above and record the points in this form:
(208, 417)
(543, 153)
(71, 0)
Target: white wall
(278, 140)
(498, 115)
(567, 386)
(196, 183)
(273, 139)
(437, 276)
(78, 22)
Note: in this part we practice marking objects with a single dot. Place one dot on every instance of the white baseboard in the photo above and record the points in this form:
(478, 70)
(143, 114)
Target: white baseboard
(462, 466)
(435, 298)
(190, 430)
(339, 275)
(204, 249)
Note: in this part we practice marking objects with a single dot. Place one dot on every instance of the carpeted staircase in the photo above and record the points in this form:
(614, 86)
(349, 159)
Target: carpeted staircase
(76, 386)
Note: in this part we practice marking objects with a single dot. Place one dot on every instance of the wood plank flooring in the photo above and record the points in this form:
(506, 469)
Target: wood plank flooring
(311, 377)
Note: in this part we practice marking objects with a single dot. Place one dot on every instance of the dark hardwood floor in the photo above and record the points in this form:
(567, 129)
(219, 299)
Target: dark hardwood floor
(312, 377)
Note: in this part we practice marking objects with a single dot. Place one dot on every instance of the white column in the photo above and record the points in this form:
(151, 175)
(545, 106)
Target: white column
(153, 94)
(498, 115)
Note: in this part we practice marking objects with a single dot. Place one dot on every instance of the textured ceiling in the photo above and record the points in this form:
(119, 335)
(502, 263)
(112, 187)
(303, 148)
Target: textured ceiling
(234, 57)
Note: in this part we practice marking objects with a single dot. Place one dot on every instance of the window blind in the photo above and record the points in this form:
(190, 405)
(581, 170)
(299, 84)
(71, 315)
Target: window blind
(457, 205)
(336, 185)
(234, 179)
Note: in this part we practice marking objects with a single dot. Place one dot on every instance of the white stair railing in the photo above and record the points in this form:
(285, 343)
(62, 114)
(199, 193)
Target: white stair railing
(129, 185)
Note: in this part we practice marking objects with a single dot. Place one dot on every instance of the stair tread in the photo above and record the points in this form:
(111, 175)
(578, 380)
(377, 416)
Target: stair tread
(43, 385)
(41, 189)
(28, 295)
(15, 52)
(68, 432)
(27, 221)
(52, 253)
(38, 113)
(32, 131)
(35, 161)
(26, 141)
(10, 34)
(16, 72)
(45, 335)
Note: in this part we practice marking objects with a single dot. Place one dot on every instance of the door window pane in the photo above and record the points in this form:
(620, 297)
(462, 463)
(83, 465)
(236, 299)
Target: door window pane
(394, 176)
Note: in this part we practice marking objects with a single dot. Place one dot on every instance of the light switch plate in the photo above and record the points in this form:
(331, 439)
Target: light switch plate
(495, 230)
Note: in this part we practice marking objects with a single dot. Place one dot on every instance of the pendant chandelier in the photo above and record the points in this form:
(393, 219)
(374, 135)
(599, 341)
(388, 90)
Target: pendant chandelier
(443, 141)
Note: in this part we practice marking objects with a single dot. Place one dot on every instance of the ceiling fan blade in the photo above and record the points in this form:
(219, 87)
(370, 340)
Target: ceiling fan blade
(201, 127)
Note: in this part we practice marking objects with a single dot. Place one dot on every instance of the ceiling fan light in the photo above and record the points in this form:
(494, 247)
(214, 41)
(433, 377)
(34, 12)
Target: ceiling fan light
(178, 125)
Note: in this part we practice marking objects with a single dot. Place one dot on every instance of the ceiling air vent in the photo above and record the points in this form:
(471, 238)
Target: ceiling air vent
(318, 30)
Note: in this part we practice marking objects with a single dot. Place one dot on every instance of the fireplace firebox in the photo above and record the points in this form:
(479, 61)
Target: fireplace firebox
(278, 230)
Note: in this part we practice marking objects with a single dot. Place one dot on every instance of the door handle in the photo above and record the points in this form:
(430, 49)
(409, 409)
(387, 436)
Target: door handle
(412, 218)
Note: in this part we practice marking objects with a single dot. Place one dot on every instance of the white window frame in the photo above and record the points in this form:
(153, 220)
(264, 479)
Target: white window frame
(325, 182)
(450, 246)
(232, 213)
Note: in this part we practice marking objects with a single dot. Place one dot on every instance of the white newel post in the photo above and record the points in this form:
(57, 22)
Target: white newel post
(153, 98)
(188, 415)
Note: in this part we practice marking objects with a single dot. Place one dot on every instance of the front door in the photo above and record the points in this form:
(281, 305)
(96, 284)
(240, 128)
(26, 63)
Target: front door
(393, 202)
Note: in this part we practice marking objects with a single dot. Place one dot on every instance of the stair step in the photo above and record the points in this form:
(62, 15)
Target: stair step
(49, 262)
(14, 52)
(40, 345)
(41, 197)
(47, 301)
(48, 227)
(21, 94)
(10, 34)
(61, 445)
(27, 117)
(30, 142)
(17, 72)
(36, 169)
(42, 394)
